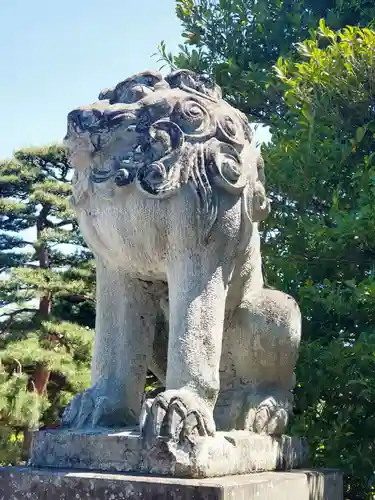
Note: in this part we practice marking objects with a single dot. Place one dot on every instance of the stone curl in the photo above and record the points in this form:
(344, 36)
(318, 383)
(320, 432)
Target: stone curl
(185, 133)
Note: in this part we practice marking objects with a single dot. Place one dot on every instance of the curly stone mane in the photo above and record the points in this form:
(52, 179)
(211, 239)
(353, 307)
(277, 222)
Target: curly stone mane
(185, 133)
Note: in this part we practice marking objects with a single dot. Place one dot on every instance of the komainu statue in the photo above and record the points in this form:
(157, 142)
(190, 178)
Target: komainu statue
(168, 189)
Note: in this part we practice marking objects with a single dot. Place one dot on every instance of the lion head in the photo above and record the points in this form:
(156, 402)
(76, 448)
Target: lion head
(160, 133)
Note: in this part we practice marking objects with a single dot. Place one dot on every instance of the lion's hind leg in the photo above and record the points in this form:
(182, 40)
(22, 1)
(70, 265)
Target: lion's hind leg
(257, 376)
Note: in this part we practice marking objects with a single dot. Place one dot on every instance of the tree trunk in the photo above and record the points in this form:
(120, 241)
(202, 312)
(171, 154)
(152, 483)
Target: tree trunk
(41, 379)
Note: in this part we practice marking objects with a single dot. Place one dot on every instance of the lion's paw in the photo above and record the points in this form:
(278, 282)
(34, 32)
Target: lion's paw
(92, 408)
(270, 418)
(177, 415)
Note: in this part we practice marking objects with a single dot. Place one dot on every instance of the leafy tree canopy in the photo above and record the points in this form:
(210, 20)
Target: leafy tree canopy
(319, 243)
(238, 42)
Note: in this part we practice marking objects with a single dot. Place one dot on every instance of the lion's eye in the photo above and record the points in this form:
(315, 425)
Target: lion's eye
(89, 119)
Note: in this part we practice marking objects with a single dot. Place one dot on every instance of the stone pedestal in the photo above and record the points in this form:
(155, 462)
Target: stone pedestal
(39, 484)
(228, 453)
(113, 465)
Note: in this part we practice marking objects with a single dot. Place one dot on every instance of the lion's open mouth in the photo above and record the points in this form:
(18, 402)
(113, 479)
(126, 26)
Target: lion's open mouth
(122, 167)
(95, 130)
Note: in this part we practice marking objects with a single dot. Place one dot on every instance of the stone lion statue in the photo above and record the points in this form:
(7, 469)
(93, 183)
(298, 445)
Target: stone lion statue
(169, 190)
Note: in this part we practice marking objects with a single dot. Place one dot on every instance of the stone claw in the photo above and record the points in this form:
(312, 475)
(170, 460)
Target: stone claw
(270, 418)
(92, 409)
(177, 415)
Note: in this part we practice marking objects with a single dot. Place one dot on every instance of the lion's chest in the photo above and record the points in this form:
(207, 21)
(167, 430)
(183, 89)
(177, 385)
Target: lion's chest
(126, 229)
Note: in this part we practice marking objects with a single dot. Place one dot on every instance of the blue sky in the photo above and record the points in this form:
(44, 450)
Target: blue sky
(55, 55)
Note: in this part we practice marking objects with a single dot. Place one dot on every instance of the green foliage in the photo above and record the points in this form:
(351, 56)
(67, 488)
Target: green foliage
(319, 243)
(46, 296)
(336, 409)
(238, 41)
(323, 196)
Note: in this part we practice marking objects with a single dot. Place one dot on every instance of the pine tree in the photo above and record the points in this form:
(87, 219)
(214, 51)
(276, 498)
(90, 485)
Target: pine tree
(46, 296)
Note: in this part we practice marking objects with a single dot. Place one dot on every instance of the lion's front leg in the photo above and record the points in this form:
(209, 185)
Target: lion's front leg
(125, 325)
(197, 293)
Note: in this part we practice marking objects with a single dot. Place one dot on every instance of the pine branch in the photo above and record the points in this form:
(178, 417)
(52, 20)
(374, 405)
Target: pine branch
(59, 224)
(51, 174)
(18, 311)
(12, 315)
(79, 298)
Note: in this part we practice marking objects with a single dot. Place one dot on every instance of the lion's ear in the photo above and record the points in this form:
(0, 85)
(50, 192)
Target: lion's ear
(261, 204)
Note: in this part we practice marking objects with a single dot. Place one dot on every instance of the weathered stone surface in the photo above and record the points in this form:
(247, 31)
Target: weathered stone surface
(236, 452)
(34, 484)
(169, 190)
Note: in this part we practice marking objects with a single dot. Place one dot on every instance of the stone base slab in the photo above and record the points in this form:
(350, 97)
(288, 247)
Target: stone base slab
(38, 484)
(235, 452)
